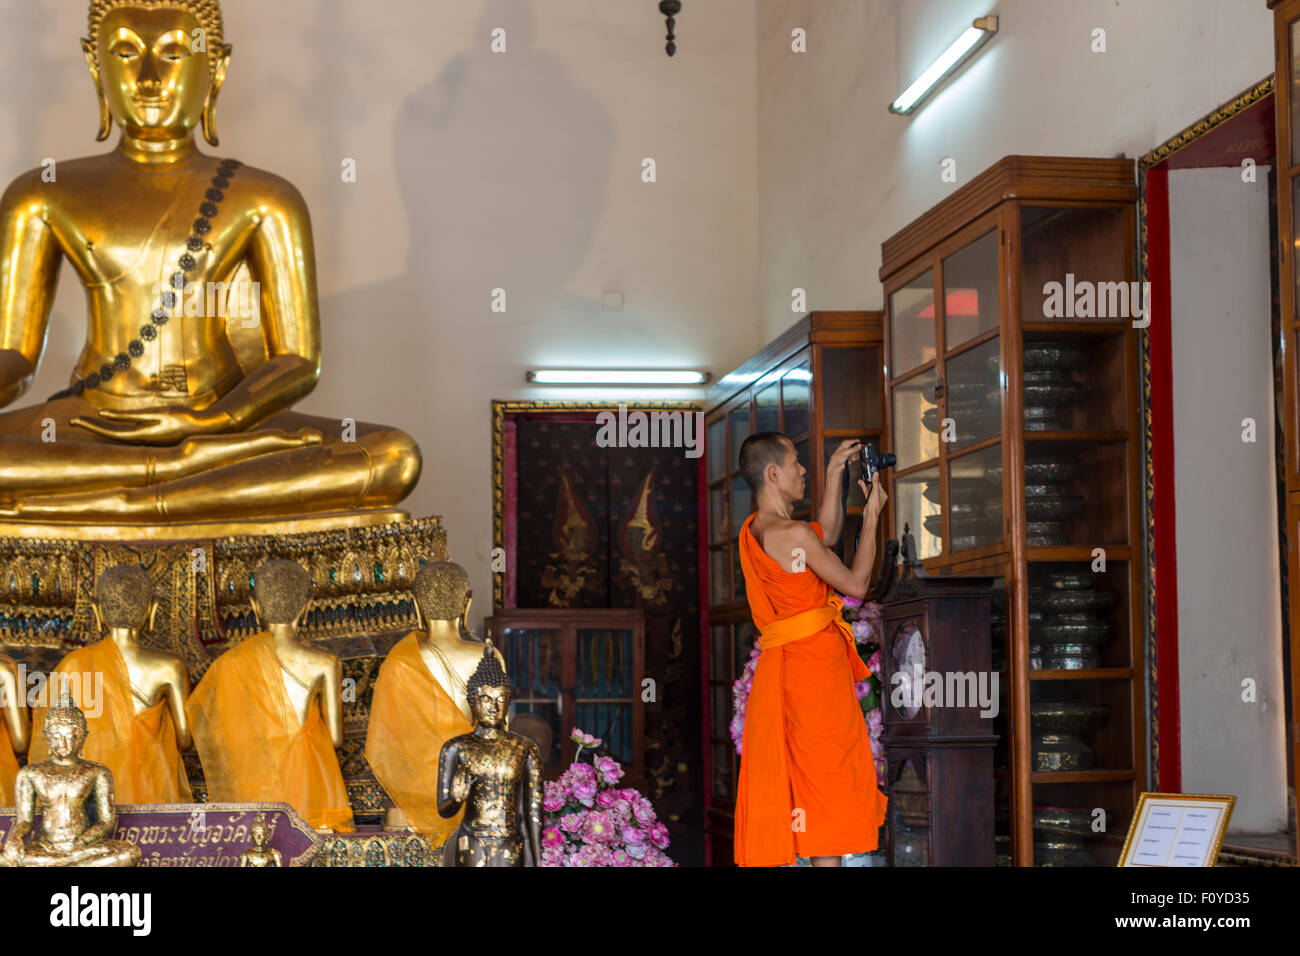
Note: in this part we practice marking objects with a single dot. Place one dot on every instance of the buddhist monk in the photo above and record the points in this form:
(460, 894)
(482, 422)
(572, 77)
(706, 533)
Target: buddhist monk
(420, 700)
(807, 777)
(267, 715)
(136, 719)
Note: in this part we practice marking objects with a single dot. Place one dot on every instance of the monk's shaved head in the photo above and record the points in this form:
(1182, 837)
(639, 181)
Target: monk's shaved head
(759, 451)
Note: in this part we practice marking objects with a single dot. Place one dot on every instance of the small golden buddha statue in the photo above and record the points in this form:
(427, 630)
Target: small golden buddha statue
(65, 784)
(174, 414)
(268, 714)
(496, 775)
(261, 853)
(419, 700)
(13, 726)
(139, 726)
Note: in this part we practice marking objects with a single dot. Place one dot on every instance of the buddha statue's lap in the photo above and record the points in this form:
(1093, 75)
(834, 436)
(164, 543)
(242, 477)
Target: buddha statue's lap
(162, 421)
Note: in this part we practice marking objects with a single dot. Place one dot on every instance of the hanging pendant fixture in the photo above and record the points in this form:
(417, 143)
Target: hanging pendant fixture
(670, 9)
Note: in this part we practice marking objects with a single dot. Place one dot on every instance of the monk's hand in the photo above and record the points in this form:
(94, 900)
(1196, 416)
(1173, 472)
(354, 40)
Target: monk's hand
(165, 425)
(875, 496)
(841, 455)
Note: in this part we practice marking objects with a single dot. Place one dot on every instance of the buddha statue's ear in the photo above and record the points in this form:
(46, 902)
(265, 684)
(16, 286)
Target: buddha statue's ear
(94, 608)
(105, 116)
(220, 54)
(153, 613)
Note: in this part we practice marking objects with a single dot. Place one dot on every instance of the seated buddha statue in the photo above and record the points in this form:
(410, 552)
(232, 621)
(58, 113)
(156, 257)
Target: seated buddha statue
(173, 413)
(268, 714)
(138, 725)
(420, 699)
(65, 785)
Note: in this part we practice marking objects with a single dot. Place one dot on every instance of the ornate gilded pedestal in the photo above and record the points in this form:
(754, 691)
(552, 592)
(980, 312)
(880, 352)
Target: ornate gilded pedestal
(362, 566)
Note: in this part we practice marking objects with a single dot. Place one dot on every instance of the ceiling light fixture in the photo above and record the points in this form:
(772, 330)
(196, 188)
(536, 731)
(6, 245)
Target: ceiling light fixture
(962, 49)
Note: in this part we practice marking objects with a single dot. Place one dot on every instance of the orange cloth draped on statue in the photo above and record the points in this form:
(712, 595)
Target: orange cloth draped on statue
(805, 745)
(8, 765)
(252, 746)
(140, 748)
(411, 717)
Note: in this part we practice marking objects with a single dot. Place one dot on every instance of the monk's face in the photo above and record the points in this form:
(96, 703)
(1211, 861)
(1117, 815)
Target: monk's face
(154, 81)
(790, 475)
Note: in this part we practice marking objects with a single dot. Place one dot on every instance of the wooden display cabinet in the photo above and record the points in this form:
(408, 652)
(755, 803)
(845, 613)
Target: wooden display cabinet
(1012, 397)
(819, 383)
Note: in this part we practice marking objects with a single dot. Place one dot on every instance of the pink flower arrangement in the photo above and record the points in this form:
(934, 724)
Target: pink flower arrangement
(740, 697)
(589, 821)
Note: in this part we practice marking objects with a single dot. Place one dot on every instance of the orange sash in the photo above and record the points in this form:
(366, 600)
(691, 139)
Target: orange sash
(252, 747)
(411, 717)
(807, 776)
(140, 749)
(8, 765)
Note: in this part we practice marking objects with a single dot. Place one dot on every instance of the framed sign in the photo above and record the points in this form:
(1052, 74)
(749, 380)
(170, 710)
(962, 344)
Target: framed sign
(1177, 829)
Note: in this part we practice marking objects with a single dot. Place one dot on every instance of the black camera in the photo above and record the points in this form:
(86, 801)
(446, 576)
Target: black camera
(874, 461)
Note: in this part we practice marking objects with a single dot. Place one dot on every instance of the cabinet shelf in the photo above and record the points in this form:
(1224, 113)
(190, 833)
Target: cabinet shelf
(1001, 405)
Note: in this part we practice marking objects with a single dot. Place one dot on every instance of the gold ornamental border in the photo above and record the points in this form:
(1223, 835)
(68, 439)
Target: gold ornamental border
(503, 407)
(1202, 127)
(1226, 801)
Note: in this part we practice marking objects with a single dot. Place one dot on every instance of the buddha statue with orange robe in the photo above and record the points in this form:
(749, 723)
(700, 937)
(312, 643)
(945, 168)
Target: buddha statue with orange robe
(13, 726)
(419, 701)
(267, 715)
(133, 696)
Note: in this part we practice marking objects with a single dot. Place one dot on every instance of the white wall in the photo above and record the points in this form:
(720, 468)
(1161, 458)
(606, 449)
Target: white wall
(839, 174)
(1229, 593)
(476, 171)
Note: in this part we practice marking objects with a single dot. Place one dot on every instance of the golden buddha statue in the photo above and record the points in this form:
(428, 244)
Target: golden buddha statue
(138, 727)
(261, 853)
(419, 700)
(496, 776)
(13, 726)
(268, 714)
(172, 416)
(64, 784)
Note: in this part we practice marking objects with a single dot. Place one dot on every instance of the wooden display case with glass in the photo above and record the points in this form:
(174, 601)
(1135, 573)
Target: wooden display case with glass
(819, 383)
(1013, 406)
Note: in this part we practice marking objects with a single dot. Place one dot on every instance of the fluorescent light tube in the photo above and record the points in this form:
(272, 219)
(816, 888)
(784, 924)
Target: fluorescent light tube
(617, 376)
(965, 45)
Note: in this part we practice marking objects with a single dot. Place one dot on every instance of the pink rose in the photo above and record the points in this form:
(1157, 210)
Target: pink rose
(633, 836)
(609, 770)
(645, 813)
(600, 829)
(585, 792)
(621, 858)
(581, 771)
(551, 838)
(659, 835)
(850, 601)
(571, 822)
(628, 794)
(553, 799)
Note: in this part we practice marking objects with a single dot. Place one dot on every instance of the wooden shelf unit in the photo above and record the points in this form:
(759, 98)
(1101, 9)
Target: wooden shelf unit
(968, 308)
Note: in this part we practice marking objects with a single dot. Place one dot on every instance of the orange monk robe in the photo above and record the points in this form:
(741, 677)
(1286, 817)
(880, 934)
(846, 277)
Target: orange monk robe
(253, 748)
(140, 749)
(805, 746)
(8, 765)
(411, 717)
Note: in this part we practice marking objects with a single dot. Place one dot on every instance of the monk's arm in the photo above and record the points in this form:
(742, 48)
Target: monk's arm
(105, 812)
(853, 581)
(332, 697)
(830, 515)
(178, 690)
(14, 712)
(281, 259)
(29, 273)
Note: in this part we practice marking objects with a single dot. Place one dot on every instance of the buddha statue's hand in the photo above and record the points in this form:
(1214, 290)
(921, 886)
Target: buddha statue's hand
(460, 785)
(165, 425)
(13, 852)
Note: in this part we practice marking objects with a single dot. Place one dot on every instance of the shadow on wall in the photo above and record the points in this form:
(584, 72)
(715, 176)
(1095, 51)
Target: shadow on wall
(502, 164)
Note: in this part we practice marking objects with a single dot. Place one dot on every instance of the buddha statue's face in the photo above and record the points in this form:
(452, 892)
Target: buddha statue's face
(490, 705)
(154, 81)
(64, 738)
(259, 833)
